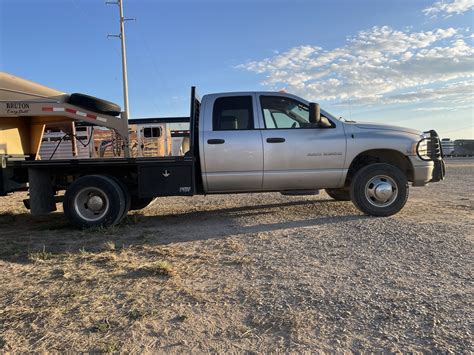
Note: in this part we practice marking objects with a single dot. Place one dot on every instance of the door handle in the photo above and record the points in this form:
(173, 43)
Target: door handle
(215, 141)
(275, 140)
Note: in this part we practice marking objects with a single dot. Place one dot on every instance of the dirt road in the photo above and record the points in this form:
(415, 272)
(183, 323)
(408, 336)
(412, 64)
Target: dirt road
(245, 273)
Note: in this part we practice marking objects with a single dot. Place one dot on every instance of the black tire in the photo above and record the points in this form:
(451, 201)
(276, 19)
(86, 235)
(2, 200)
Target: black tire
(108, 196)
(139, 203)
(373, 184)
(126, 195)
(94, 104)
(339, 194)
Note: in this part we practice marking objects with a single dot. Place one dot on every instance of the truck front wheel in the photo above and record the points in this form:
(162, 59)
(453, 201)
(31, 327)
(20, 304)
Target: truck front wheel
(379, 190)
(94, 201)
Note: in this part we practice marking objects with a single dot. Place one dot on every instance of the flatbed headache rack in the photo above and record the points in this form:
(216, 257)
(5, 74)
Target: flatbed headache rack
(146, 177)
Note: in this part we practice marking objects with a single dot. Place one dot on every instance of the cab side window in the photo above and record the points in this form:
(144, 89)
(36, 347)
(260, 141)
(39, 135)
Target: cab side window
(233, 113)
(283, 113)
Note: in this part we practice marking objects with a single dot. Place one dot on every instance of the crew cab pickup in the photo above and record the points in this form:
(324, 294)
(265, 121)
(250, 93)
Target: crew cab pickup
(243, 142)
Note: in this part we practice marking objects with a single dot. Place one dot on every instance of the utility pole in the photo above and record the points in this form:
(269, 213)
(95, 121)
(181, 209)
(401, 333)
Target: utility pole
(126, 112)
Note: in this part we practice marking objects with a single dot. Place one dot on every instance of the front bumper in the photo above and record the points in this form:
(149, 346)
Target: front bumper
(439, 171)
(428, 166)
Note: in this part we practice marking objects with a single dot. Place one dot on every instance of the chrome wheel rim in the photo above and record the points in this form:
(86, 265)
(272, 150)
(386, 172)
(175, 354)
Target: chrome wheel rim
(91, 204)
(381, 191)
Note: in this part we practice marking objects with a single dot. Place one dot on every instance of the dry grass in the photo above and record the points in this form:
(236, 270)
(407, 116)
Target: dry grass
(246, 273)
(88, 295)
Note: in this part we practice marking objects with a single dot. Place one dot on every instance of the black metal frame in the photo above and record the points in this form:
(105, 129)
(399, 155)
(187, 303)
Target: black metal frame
(434, 154)
(159, 120)
(195, 110)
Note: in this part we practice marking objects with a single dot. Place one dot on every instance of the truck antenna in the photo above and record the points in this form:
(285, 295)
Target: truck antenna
(126, 112)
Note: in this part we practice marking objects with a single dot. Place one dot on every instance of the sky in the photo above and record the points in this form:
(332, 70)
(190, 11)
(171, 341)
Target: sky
(401, 62)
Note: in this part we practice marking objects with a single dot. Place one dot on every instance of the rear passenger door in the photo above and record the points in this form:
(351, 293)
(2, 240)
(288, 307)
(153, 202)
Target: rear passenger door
(232, 145)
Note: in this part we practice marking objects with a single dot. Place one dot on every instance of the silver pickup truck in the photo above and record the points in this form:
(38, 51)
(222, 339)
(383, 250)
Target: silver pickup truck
(266, 141)
(243, 142)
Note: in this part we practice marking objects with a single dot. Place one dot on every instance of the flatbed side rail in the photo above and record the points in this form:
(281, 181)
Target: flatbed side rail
(105, 162)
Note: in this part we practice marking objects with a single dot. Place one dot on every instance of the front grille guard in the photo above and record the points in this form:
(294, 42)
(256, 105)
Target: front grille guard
(434, 153)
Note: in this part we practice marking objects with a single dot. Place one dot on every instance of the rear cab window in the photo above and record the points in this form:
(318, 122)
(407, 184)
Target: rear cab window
(233, 113)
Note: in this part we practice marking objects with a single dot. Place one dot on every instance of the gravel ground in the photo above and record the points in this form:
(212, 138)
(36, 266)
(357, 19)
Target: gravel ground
(245, 273)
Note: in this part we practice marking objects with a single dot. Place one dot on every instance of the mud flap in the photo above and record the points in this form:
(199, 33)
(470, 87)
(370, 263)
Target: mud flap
(41, 192)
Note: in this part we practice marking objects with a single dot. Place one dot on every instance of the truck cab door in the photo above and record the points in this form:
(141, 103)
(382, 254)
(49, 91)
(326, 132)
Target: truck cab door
(299, 154)
(231, 144)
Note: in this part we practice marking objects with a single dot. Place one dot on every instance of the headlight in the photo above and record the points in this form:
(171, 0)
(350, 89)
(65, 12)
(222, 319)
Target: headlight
(421, 147)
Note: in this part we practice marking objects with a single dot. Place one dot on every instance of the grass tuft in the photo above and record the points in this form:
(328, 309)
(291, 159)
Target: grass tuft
(110, 245)
(180, 318)
(109, 348)
(160, 268)
(100, 327)
(135, 314)
(40, 256)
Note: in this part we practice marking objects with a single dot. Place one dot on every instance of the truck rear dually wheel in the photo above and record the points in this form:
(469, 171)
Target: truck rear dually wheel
(379, 190)
(94, 201)
(126, 194)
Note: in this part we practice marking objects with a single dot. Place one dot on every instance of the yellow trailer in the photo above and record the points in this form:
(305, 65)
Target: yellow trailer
(27, 107)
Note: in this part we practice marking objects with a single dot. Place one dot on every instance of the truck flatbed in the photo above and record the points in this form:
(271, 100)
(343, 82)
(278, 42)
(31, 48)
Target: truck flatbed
(144, 178)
